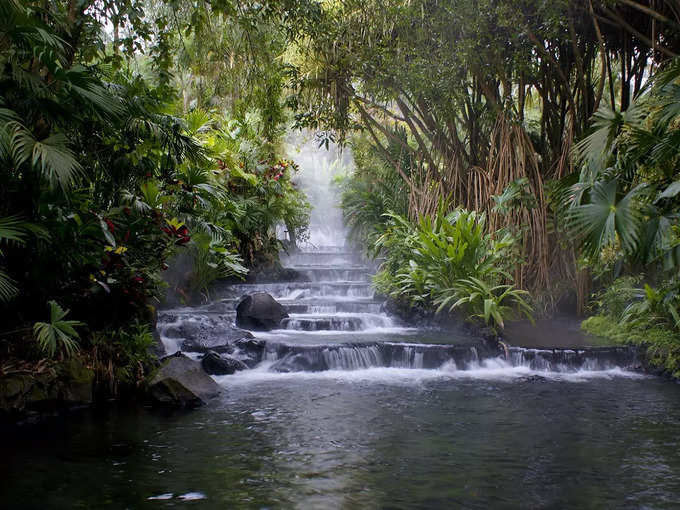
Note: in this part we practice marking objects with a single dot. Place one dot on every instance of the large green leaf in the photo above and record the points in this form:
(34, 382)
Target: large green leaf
(608, 216)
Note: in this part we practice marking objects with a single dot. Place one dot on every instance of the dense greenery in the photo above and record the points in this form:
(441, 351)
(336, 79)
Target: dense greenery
(559, 121)
(114, 185)
(501, 147)
(647, 317)
(449, 261)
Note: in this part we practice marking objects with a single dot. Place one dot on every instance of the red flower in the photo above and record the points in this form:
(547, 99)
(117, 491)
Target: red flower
(110, 224)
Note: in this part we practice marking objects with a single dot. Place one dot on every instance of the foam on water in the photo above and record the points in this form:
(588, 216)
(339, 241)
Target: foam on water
(287, 334)
(337, 329)
(490, 370)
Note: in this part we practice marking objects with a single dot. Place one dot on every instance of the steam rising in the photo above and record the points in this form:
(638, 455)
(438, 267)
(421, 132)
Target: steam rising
(319, 168)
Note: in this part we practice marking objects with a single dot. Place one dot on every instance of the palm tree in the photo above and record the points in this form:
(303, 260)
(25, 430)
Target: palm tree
(629, 184)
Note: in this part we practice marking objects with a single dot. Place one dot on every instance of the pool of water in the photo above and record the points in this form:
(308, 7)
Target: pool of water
(494, 437)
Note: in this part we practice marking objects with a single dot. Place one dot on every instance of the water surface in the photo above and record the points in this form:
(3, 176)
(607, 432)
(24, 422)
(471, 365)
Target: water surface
(375, 438)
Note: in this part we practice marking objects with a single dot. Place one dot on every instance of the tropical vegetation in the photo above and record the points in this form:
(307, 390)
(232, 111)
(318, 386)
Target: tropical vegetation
(122, 184)
(511, 158)
(565, 136)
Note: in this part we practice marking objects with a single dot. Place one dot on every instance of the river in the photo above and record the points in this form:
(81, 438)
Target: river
(347, 407)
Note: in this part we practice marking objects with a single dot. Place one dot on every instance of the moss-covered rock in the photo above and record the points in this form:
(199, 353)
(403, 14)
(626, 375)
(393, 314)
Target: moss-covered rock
(77, 380)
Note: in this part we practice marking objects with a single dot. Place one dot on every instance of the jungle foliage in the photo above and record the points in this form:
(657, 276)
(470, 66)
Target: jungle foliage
(450, 262)
(558, 120)
(501, 147)
(112, 170)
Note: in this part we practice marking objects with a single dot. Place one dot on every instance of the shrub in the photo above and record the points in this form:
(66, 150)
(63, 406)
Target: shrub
(645, 317)
(450, 261)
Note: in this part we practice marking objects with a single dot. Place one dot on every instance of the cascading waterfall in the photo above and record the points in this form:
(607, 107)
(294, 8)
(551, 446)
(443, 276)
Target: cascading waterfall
(283, 357)
(336, 323)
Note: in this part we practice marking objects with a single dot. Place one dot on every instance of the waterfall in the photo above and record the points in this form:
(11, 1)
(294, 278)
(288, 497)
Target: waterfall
(317, 358)
(336, 323)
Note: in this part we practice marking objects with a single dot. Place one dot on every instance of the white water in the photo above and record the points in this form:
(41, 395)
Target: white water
(318, 169)
(489, 370)
(337, 329)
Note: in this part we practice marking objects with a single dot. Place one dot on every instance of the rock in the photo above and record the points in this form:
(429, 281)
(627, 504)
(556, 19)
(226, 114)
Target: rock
(249, 351)
(260, 311)
(11, 387)
(78, 382)
(181, 381)
(534, 378)
(215, 364)
(210, 336)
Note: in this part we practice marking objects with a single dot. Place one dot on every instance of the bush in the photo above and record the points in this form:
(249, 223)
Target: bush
(644, 317)
(450, 262)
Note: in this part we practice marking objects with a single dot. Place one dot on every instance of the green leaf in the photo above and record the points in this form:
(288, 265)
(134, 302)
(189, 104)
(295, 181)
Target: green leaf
(672, 190)
(58, 334)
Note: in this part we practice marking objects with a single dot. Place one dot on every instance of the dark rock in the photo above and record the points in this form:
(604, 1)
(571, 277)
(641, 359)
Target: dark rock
(181, 381)
(172, 332)
(78, 382)
(273, 273)
(209, 336)
(534, 378)
(260, 311)
(215, 364)
(249, 350)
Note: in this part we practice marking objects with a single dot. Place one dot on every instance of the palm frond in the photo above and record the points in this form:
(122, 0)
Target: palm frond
(58, 333)
(608, 217)
(8, 289)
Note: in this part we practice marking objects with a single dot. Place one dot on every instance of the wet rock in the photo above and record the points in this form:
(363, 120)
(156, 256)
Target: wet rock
(272, 273)
(209, 336)
(260, 312)
(534, 378)
(215, 364)
(249, 350)
(181, 381)
(41, 391)
(301, 362)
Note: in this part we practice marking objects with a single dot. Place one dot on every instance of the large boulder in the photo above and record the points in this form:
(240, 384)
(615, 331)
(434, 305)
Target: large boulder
(206, 334)
(216, 364)
(260, 312)
(181, 381)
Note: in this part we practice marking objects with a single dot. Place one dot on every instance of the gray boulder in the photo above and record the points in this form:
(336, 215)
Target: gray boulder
(181, 381)
(209, 336)
(249, 350)
(215, 364)
(260, 312)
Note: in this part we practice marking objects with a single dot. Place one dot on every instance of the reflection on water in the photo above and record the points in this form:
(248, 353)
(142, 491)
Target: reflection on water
(377, 438)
